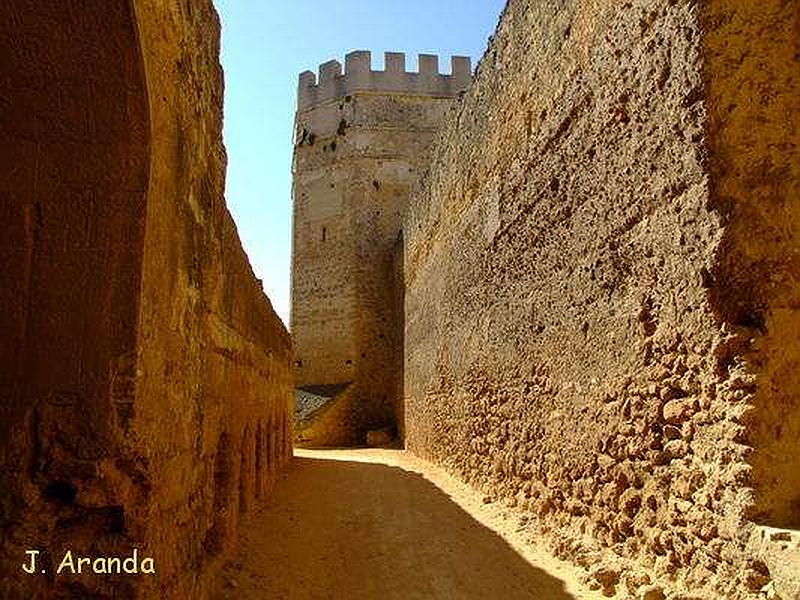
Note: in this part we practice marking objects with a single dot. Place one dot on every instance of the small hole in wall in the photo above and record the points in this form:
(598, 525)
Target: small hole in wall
(363, 355)
(706, 278)
(298, 363)
(348, 362)
(324, 234)
(115, 519)
(63, 492)
(376, 184)
(752, 319)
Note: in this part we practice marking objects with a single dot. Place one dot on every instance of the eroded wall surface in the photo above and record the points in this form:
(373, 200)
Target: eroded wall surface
(361, 140)
(146, 381)
(215, 391)
(601, 284)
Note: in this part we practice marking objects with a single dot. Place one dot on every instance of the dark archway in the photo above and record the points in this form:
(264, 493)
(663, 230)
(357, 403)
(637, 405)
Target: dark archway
(73, 177)
(219, 533)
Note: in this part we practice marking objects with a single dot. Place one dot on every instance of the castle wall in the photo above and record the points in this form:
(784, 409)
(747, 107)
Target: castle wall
(361, 139)
(215, 383)
(146, 381)
(75, 146)
(602, 279)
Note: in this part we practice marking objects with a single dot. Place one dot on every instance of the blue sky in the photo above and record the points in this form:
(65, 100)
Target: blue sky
(265, 45)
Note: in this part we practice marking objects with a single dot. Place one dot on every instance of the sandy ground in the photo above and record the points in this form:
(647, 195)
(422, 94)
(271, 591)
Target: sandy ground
(382, 524)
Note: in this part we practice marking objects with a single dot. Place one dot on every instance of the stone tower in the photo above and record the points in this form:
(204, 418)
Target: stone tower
(361, 139)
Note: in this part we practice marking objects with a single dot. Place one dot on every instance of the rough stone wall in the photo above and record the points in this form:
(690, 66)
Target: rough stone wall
(601, 283)
(75, 160)
(146, 381)
(215, 391)
(361, 140)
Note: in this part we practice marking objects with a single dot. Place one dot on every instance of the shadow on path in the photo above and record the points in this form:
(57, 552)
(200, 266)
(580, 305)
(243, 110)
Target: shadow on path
(358, 530)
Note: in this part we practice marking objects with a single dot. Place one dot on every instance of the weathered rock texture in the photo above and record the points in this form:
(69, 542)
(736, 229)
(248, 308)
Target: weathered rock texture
(602, 283)
(145, 379)
(361, 139)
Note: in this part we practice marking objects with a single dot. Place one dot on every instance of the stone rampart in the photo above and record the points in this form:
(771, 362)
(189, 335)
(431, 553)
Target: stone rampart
(146, 383)
(602, 286)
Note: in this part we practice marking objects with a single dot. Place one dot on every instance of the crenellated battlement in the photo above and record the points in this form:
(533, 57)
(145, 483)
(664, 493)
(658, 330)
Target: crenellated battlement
(359, 76)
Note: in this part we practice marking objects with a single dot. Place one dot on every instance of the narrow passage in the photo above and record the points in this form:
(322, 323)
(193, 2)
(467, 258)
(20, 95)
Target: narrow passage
(382, 524)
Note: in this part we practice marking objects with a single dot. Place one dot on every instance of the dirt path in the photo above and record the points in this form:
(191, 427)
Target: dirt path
(381, 524)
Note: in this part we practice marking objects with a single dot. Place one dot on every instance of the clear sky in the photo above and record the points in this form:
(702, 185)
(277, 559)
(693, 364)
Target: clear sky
(265, 45)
